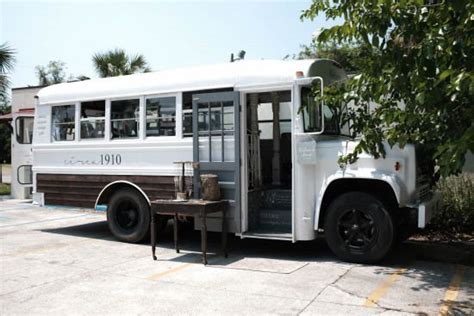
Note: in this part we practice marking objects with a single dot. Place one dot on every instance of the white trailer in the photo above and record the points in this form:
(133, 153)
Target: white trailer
(112, 142)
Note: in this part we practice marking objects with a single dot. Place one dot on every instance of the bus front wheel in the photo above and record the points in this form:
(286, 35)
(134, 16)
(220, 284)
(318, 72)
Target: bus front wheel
(359, 228)
(128, 215)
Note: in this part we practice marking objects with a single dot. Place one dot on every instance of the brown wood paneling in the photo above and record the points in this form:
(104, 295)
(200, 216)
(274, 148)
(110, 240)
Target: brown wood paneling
(83, 190)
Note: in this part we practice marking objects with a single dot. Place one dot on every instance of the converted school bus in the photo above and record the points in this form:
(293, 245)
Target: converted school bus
(256, 124)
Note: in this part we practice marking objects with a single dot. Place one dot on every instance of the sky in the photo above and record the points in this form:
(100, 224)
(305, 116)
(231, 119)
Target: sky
(170, 34)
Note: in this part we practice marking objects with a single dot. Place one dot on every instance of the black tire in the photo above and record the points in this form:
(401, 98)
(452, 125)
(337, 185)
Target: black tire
(358, 228)
(128, 215)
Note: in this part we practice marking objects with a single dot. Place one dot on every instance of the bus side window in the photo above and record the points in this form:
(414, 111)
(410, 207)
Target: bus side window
(124, 118)
(92, 119)
(63, 119)
(161, 116)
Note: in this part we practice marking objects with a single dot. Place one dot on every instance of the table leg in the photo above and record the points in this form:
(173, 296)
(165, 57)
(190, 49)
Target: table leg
(175, 230)
(204, 237)
(224, 233)
(153, 234)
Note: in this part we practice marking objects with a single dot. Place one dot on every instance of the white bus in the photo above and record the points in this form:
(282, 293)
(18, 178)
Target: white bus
(113, 141)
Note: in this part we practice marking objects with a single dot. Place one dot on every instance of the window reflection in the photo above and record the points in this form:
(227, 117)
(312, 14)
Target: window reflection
(125, 118)
(161, 116)
(24, 130)
(63, 122)
(92, 119)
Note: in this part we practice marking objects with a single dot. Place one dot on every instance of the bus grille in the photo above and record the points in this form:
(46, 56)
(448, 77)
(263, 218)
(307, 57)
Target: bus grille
(423, 188)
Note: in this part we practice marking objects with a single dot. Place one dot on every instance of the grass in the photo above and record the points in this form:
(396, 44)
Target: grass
(4, 189)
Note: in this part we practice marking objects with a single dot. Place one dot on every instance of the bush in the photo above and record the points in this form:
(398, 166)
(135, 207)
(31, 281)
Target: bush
(457, 214)
(4, 189)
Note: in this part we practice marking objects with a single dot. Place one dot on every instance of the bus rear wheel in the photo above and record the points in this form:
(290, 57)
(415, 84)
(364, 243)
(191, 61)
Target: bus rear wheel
(128, 215)
(359, 228)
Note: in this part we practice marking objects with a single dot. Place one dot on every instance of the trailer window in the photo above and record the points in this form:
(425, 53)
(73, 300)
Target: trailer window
(125, 118)
(92, 119)
(24, 130)
(161, 116)
(63, 118)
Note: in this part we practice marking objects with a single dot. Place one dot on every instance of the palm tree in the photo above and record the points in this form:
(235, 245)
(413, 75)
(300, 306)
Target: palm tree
(117, 63)
(7, 60)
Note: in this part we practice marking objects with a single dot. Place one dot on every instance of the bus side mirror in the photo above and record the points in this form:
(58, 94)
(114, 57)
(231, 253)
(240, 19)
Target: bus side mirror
(311, 107)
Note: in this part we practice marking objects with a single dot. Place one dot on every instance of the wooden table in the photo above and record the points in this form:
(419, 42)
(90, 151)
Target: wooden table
(189, 208)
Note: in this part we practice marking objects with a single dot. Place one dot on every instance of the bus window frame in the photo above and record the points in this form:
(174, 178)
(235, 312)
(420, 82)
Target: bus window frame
(75, 139)
(108, 118)
(79, 128)
(178, 115)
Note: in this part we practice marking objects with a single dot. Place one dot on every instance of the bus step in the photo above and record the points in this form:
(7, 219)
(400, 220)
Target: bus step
(270, 234)
(277, 199)
(274, 217)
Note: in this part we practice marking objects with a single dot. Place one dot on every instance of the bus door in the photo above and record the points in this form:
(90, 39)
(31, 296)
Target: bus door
(308, 124)
(22, 156)
(216, 147)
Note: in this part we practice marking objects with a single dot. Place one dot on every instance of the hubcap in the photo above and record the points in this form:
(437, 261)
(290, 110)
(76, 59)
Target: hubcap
(127, 215)
(356, 229)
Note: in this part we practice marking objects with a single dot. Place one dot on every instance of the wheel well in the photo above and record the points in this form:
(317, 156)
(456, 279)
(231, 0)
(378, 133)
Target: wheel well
(378, 188)
(111, 188)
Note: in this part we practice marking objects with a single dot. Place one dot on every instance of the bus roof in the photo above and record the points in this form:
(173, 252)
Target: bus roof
(237, 74)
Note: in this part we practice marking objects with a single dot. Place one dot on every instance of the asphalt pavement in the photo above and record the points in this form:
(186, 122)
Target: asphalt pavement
(65, 261)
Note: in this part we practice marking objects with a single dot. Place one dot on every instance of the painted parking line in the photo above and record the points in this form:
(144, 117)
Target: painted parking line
(46, 220)
(379, 292)
(160, 275)
(452, 291)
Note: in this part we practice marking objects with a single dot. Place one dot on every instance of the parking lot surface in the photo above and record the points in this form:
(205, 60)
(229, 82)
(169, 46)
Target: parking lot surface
(65, 261)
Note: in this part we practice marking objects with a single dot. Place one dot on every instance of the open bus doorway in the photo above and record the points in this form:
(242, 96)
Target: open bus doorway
(269, 199)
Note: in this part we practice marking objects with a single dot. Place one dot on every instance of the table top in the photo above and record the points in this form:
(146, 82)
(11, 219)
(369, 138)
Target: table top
(192, 206)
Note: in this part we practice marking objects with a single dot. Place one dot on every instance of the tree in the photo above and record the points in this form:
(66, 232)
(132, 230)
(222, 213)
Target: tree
(5, 132)
(117, 63)
(53, 73)
(416, 52)
(347, 55)
(7, 61)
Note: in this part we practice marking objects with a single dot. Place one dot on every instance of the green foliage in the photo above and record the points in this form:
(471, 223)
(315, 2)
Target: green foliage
(4, 189)
(53, 73)
(416, 54)
(457, 215)
(117, 63)
(7, 61)
(5, 132)
(347, 55)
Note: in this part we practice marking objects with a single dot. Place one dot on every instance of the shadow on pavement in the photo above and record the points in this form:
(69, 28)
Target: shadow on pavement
(431, 265)
(308, 251)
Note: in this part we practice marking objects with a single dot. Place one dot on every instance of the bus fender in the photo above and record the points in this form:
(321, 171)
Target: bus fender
(110, 188)
(393, 182)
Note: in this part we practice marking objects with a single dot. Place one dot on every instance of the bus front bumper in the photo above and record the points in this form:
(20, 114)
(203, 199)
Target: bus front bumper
(427, 209)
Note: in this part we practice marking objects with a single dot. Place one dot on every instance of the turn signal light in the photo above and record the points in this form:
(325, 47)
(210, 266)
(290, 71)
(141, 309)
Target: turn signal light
(299, 74)
(397, 166)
